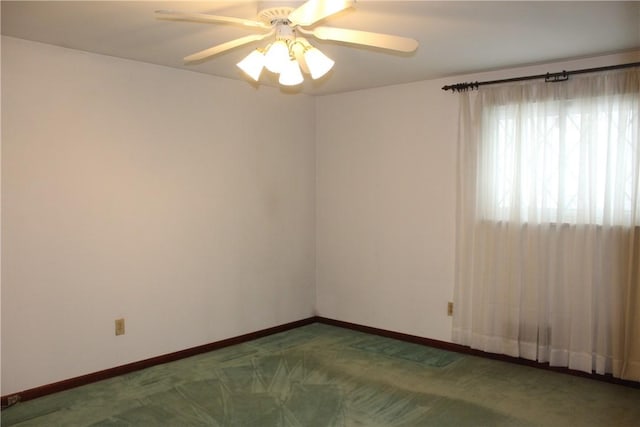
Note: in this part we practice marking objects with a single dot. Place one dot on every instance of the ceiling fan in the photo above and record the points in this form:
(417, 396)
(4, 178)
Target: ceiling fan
(290, 53)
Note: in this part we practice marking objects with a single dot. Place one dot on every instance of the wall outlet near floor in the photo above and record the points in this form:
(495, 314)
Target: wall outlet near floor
(119, 326)
(450, 308)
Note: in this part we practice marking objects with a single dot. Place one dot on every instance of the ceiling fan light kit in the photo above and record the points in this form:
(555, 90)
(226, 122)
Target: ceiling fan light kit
(290, 54)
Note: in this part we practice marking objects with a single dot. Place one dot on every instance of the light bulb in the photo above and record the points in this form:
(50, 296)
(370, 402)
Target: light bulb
(252, 64)
(290, 74)
(319, 64)
(276, 57)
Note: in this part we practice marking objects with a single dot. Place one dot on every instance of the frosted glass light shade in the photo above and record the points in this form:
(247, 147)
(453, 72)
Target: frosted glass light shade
(276, 57)
(290, 74)
(252, 64)
(319, 64)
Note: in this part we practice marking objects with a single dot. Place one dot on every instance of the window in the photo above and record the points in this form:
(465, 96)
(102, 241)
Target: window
(548, 222)
(565, 161)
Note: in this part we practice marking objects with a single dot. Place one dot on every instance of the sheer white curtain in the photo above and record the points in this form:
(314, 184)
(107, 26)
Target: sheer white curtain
(549, 222)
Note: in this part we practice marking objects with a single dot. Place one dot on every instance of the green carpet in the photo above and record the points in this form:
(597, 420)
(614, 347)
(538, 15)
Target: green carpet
(320, 375)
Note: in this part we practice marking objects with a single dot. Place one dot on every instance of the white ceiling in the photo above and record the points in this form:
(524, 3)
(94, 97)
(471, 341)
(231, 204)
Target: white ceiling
(456, 37)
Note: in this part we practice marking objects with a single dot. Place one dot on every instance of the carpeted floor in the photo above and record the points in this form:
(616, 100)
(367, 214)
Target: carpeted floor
(320, 375)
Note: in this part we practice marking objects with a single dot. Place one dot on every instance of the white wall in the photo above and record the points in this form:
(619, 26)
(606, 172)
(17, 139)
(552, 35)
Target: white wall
(385, 207)
(385, 224)
(179, 201)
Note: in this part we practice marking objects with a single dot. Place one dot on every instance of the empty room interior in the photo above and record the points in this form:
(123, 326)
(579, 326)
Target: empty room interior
(428, 214)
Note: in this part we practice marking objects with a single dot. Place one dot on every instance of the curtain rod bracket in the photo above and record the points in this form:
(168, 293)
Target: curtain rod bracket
(556, 77)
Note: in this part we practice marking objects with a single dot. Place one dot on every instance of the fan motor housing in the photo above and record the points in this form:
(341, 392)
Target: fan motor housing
(275, 15)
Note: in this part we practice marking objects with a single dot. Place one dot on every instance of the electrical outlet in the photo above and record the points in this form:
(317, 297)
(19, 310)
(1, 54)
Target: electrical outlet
(119, 326)
(449, 308)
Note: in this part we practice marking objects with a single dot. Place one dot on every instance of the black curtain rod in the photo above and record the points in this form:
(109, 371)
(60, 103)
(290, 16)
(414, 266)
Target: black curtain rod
(549, 77)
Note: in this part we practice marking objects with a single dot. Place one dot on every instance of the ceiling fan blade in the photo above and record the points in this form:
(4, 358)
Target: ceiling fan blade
(383, 41)
(207, 53)
(313, 11)
(203, 17)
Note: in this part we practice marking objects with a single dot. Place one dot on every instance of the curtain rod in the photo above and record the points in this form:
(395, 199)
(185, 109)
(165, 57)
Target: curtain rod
(549, 77)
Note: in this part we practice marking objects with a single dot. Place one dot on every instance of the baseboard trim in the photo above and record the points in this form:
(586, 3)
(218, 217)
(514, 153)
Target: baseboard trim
(147, 363)
(171, 357)
(468, 350)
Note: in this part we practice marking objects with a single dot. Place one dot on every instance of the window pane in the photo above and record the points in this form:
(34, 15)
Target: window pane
(561, 161)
